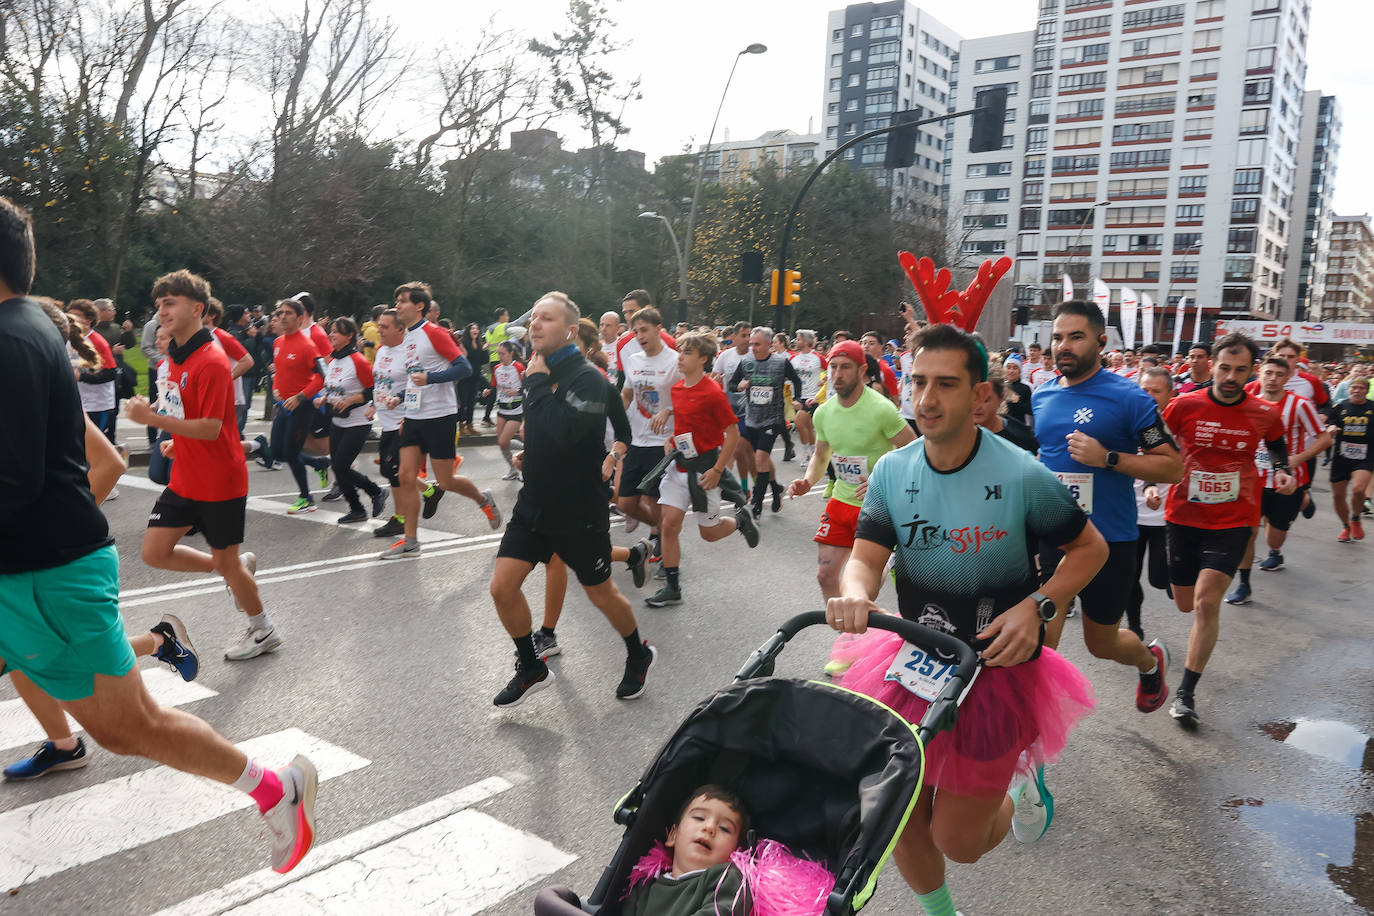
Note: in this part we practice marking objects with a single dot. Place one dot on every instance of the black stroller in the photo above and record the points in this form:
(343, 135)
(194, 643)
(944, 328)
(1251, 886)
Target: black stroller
(830, 773)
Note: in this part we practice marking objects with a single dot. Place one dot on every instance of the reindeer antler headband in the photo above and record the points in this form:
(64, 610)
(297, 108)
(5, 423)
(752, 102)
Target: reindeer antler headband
(950, 306)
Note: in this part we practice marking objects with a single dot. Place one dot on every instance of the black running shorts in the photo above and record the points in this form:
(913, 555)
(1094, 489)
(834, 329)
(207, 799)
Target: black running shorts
(435, 436)
(762, 437)
(1278, 509)
(639, 460)
(1103, 599)
(1192, 550)
(587, 553)
(1342, 469)
(221, 522)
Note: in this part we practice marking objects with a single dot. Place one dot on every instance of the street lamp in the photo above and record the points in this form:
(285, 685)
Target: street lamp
(754, 48)
(1079, 237)
(677, 252)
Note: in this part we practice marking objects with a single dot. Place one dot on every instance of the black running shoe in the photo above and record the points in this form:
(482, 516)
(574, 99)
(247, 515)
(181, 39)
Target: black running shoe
(525, 682)
(334, 495)
(777, 495)
(393, 528)
(636, 670)
(1184, 710)
(639, 561)
(379, 504)
(432, 501)
(746, 527)
(353, 516)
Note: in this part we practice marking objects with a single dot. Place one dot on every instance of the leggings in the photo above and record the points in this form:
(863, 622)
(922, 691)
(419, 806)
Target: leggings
(345, 443)
(1152, 540)
(290, 429)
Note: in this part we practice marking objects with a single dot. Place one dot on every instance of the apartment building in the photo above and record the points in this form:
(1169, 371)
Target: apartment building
(733, 160)
(882, 58)
(1350, 272)
(1304, 279)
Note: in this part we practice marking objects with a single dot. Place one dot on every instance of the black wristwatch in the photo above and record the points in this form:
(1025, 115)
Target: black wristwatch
(1113, 459)
(1045, 605)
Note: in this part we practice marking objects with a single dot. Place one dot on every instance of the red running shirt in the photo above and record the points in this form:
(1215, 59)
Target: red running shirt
(205, 470)
(703, 411)
(293, 361)
(1221, 485)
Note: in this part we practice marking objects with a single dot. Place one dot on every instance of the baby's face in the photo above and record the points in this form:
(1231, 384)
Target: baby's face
(706, 835)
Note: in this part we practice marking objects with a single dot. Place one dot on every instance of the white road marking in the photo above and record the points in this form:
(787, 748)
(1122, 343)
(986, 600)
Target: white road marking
(18, 726)
(51, 836)
(459, 866)
(373, 560)
(268, 507)
(265, 888)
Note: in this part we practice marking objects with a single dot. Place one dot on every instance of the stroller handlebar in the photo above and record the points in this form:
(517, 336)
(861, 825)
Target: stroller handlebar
(761, 662)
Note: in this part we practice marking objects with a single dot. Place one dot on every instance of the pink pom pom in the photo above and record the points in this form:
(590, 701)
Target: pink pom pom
(784, 884)
(657, 861)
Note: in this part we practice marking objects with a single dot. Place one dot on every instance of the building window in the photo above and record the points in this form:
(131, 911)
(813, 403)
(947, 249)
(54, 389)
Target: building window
(1141, 159)
(837, 35)
(1144, 104)
(1186, 241)
(836, 60)
(882, 77)
(1032, 192)
(1088, 25)
(1073, 190)
(880, 102)
(1030, 218)
(1142, 130)
(1192, 184)
(1146, 76)
(885, 52)
(830, 132)
(852, 81)
(1189, 213)
(1035, 166)
(1083, 82)
(851, 105)
(1206, 68)
(1071, 164)
(1240, 241)
(1196, 128)
(1153, 18)
(1248, 181)
(856, 31)
(1245, 210)
(834, 84)
(885, 27)
(987, 195)
(856, 55)
(1037, 138)
(992, 64)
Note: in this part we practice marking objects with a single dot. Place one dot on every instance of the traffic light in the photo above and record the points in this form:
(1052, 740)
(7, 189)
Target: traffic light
(791, 287)
(901, 142)
(988, 120)
(773, 289)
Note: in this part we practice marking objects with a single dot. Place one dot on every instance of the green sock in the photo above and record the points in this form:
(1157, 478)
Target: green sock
(938, 902)
(401, 519)
(429, 491)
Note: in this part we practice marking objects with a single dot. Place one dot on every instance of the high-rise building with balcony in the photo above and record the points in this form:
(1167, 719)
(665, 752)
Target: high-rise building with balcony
(882, 58)
(1349, 294)
(1309, 244)
(1156, 147)
(733, 160)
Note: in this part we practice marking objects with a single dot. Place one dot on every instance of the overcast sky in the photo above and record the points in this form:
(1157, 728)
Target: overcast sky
(682, 52)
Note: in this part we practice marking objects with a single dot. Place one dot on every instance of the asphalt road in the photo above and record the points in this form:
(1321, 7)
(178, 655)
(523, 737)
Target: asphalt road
(434, 800)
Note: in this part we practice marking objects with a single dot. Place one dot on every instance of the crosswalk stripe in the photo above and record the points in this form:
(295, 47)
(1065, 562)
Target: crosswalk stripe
(266, 883)
(458, 866)
(51, 836)
(18, 726)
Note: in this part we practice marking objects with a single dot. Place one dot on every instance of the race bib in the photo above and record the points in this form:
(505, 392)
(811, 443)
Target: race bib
(1356, 451)
(683, 443)
(760, 394)
(169, 400)
(1080, 487)
(923, 673)
(1262, 459)
(413, 397)
(1209, 487)
(853, 470)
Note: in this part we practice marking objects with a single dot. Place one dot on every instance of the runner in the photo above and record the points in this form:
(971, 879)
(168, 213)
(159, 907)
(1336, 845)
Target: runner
(924, 502)
(208, 490)
(760, 377)
(58, 563)
(1353, 462)
(1212, 509)
(297, 376)
(854, 428)
(97, 385)
(609, 329)
(1043, 370)
(992, 413)
(348, 386)
(811, 367)
(1151, 552)
(389, 382)
(434, 362)
(507, 377)
(1018, 394)
(1097, 431)
(1199, 374)
(1306, 437)
(885, 380)
(239, 360)
(561, 508)
(723, 369)
(649, 371)
(705, 434)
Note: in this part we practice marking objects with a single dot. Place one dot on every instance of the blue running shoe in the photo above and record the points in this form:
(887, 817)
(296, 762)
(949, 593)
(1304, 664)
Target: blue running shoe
(48, 759)
(1241, 595)
(1272, 562)
(177, 650)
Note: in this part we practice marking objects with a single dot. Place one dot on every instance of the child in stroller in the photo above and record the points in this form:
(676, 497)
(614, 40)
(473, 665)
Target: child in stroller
(701, 878)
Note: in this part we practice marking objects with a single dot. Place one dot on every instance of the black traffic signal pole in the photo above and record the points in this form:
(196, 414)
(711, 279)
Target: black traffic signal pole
(796, 204)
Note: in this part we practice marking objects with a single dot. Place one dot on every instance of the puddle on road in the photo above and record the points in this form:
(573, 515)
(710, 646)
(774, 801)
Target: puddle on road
(1336, 847)
(1325, 738)
(1329, 845)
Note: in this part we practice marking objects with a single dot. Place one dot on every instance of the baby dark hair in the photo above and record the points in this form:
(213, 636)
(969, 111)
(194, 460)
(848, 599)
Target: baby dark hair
(719, 793)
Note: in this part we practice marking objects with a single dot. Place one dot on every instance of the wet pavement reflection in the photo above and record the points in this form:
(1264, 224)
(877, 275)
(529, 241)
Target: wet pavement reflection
(1339, 847)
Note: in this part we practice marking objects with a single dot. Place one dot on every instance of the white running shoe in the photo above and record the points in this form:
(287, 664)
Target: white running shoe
(292, 820)
(255, 642)
(631, 523)
(250, 562)
(1033, 808)
(114, 494)
(401, 549)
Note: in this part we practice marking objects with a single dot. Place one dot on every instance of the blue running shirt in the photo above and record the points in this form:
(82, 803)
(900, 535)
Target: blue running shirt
(1117, 413)
(963, 538)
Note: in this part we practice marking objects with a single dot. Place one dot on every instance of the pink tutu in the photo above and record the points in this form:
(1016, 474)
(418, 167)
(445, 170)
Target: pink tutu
(1017, 716)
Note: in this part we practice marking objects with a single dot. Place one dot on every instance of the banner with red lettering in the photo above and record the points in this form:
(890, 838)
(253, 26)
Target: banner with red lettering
(1178, 323)
(1147, 320)
(1103, 297)
(1130, 302)
(1352, 333)
(1068, 287)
